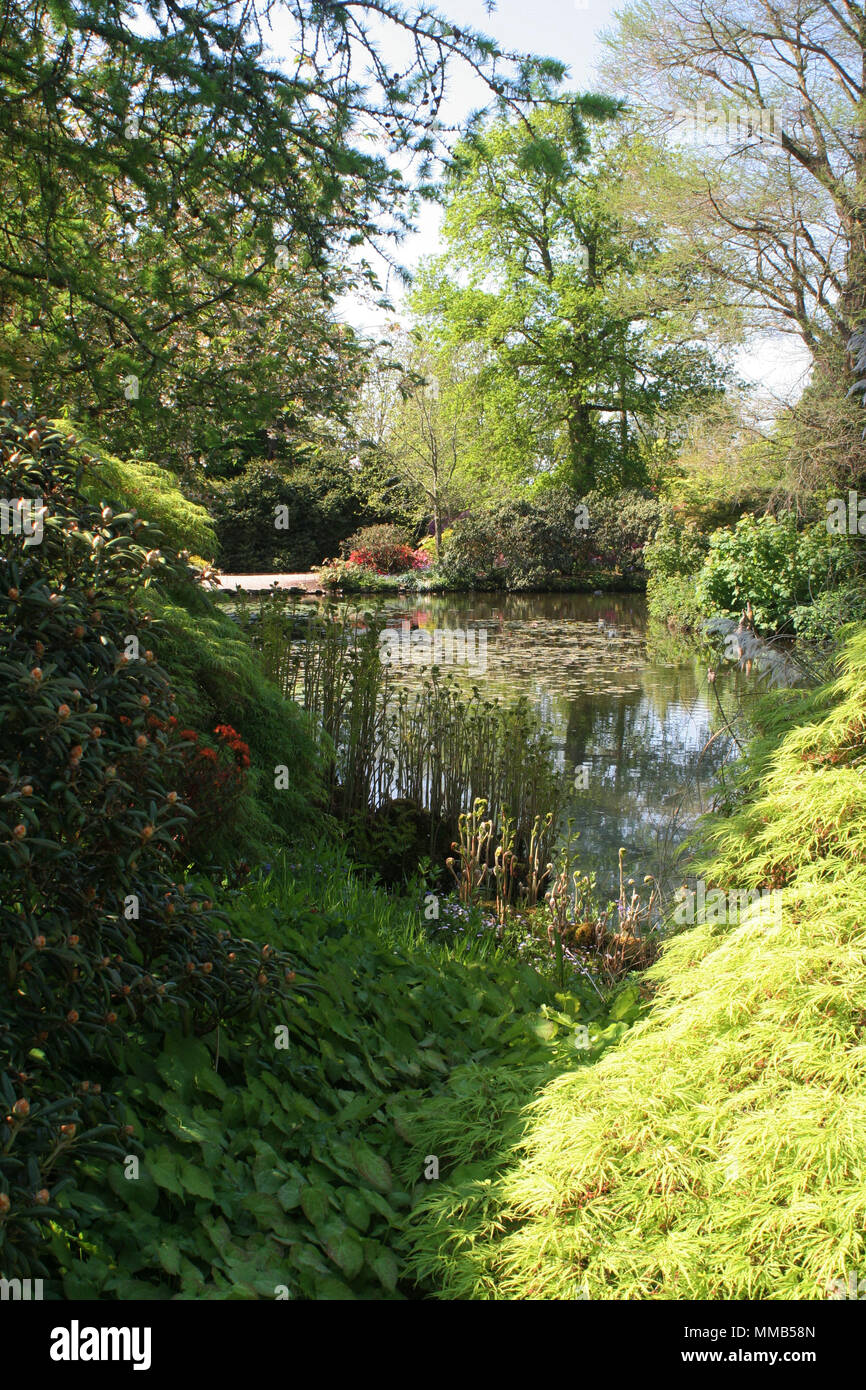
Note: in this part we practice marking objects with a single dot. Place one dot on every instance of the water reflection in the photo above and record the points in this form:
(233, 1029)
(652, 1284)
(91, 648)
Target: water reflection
(633, 733)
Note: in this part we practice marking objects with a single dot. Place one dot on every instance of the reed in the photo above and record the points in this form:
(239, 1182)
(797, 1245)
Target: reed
(425, 740)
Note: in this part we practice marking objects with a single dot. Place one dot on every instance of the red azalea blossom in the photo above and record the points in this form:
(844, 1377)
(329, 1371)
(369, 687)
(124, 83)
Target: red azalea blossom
(389, 559)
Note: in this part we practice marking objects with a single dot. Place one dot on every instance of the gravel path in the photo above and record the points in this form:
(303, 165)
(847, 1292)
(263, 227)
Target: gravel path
(252, 582)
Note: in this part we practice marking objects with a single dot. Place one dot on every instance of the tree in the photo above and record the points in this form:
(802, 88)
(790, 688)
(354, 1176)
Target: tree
(159, 172)
(574, 317)
(413, 420)
(775, 94)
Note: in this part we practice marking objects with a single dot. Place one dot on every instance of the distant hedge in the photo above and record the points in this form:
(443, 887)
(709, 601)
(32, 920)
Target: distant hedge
(323, 507)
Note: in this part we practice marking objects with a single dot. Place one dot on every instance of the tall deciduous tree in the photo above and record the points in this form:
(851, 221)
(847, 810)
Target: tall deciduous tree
(771, 97)
(574, 316)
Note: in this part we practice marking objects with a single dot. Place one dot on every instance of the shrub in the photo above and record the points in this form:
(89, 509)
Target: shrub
(216, 674)
(385, 549)
(715, 1153)
(673, 559)
(821, 622)
(772, 565)
(470, 560)
(538, 539)
(323, 505)
(529, 543)
(620, 527)
(98, 933)
(428, 545)
(144, 487)
(675, 549)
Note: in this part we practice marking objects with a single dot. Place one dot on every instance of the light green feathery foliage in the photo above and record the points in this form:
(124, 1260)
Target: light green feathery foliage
(148, 488)
(716, 1152)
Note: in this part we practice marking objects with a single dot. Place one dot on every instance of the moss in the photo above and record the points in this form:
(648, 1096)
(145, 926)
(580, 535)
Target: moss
(716, 1153)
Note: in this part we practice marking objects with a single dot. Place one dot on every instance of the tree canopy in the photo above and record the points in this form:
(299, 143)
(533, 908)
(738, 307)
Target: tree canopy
(572, 316)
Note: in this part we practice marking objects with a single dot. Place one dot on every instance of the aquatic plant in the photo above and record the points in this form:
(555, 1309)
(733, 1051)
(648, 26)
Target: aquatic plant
(427, 742)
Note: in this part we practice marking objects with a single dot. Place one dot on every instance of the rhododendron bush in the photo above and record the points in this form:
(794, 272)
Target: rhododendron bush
(101, 933)
(384, 549)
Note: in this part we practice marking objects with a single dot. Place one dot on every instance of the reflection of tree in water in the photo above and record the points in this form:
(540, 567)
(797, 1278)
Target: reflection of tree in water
(649, 770)
(642, 727)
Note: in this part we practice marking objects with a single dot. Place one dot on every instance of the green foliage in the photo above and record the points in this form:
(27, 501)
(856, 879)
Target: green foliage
(673, 559)
(146, 488)
(772, 565)
(180, 214)
(324, 506)
(283, 1162)
(471, 558)
(566, 318)
(620, 527)
(217, 676)
(672, 600)
(675, 549)
(714, 1153)
(98, 933)
(821, 623)
(531, 543)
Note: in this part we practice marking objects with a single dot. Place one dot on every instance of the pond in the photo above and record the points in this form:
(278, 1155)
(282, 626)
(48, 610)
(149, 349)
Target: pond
(634, 733)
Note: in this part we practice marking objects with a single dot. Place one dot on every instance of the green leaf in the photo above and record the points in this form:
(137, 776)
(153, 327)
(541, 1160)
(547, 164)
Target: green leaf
(330, 1289)
(315, 1204)
(344, 1247)
(289, 1195)
(266, 1210)
(195, 1180)
(163, 1168)
(356, 1209)
(372, 1167)
(169, 1257)
(384, 1265)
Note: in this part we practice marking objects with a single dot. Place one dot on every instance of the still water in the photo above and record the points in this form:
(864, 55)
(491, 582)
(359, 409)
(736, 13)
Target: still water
(633, 731)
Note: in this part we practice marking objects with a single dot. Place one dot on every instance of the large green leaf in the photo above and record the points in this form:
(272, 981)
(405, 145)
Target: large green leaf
(315, 1204)
(371, 1166)
(344, 1247)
